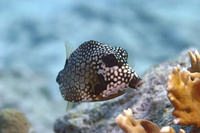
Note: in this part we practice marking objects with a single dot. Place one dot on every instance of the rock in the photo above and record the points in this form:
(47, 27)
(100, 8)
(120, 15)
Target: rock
(150, 103)
(13, 121)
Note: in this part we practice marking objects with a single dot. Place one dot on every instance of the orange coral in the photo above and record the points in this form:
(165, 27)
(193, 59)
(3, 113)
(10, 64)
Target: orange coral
(195, 62)
(129, 125)
(168, 129)
(184, 92)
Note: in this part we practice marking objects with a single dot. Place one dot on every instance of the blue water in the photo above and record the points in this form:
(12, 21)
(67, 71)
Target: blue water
(32, 33)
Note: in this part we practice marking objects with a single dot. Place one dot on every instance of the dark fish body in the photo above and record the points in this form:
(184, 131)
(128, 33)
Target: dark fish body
(96, 72)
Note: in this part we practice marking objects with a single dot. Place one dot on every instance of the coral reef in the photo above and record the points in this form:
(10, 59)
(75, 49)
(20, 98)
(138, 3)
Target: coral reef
(13, 121)
(32, 33)
(99, 117)
(184, 92)
(130, 125)
(150, 103)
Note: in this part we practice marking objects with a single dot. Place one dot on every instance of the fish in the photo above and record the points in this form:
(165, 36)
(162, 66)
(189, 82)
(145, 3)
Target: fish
(96, 72)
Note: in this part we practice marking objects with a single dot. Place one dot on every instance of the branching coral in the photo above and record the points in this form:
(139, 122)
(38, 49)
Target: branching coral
(168, 129)
(130, 125)
(195, 62)
(184, 92)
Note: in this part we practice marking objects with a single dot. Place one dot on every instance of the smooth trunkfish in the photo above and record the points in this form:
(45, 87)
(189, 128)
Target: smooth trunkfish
(96, 72)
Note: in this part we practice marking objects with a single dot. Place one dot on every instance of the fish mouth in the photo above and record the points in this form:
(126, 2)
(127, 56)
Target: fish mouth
(136, 83)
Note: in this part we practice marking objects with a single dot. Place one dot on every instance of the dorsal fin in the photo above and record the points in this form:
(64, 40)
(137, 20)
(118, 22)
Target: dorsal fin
(66, 62)
(131, 62)
(69, 49)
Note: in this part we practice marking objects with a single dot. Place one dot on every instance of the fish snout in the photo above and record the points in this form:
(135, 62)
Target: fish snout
(135, 82)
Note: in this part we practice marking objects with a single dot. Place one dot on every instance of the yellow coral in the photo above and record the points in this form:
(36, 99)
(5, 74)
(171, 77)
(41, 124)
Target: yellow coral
(184, 92)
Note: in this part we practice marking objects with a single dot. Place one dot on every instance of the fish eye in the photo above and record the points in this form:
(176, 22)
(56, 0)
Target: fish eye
(110, 60)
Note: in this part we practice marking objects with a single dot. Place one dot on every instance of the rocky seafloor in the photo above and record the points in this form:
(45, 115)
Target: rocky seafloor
(149, 103)
(32, 36)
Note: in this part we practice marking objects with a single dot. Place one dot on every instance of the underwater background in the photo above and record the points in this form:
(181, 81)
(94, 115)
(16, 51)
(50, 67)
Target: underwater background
(32, 51)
